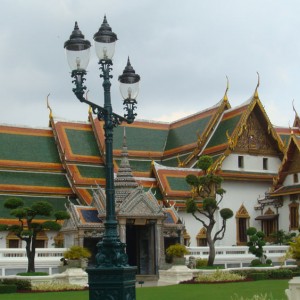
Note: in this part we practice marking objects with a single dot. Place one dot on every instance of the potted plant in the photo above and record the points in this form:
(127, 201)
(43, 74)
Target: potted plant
(177, 252)
(76, 257)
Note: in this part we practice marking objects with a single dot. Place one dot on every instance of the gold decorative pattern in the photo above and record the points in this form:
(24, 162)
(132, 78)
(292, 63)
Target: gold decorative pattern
(254, 138)
(201, 234)
(242, 212)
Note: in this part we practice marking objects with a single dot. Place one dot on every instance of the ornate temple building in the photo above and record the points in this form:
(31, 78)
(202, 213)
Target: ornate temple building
(64, 164)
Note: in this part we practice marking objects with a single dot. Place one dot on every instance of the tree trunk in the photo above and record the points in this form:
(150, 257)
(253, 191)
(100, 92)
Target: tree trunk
(212, 252)
(211, 245)
(30, 251)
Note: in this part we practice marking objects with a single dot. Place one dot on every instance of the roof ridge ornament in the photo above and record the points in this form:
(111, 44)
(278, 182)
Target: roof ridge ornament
(225, 98)
(258, 83)
(50, 109)
(296, 114)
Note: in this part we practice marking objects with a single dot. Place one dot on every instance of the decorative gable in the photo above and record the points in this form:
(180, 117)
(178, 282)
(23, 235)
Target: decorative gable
(140, 204)
(255, 138)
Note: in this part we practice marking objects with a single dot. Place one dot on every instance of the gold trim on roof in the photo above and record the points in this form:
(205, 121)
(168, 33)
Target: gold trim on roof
(242, 125)
(180, 163)
(201, 140)
(278, 178)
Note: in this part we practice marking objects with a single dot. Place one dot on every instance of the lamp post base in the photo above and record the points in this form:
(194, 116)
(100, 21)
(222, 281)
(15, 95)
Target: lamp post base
(112, 283)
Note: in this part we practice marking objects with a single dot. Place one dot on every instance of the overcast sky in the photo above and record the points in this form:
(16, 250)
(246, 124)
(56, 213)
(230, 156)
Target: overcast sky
(182, 50)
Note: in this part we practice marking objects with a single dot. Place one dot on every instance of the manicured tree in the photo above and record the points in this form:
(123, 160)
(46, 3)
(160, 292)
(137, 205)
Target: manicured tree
(27, 229)
(208, 188)
(256, 243)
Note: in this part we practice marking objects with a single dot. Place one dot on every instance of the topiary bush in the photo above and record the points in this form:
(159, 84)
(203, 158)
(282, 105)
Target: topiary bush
(255, 262)
(256, 243)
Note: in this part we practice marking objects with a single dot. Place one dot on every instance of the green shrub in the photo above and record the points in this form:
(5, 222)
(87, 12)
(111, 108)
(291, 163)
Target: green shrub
(219, 276)
(177, 250)
(255, 262)
(8, 288)
(269, 262)
(259, 276)
(280, 273)
(77, 252)
(33, 274)
(19, 283)
(57, 287)
(201, 262)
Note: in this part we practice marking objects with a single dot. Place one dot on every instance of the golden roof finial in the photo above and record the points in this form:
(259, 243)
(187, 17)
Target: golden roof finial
(256, 89)
(50, 110)
(294, 109)
(225, 98)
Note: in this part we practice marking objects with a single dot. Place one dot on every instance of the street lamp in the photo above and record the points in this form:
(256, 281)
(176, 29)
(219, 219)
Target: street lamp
(112, 277)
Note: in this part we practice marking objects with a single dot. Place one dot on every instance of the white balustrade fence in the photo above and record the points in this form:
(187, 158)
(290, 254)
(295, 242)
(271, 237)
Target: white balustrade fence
(14, 260)
(239, 256)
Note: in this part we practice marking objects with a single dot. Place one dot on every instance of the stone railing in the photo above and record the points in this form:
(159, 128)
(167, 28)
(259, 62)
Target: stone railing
(14, 260)
(239, 256)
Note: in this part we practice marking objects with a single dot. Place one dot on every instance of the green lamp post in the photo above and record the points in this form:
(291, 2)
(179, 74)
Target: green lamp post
(112, 278)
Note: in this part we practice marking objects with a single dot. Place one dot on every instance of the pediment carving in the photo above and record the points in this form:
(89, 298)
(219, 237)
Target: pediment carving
(140, 203)
(255, 138)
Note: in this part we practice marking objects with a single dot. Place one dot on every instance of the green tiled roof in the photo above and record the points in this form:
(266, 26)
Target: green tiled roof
(141, 139)
(33, 179)
(82, 142)
(138, 165)
(285, 138)
(156, 192)
(178, 183)
(91, 172)
(173, 162)
(186, 134)
(28, 148)
(57, 203)
(220, 136)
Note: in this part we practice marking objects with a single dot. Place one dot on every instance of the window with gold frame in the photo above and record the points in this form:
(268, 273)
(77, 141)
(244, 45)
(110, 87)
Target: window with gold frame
(201, 238)
(242, 223)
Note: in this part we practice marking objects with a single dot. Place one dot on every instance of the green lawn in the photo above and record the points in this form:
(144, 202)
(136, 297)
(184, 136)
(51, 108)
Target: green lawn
(177, 292)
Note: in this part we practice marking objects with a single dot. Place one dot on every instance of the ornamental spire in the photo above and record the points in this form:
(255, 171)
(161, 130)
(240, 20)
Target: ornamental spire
(225, 98)
(124, 182)
(256, 89)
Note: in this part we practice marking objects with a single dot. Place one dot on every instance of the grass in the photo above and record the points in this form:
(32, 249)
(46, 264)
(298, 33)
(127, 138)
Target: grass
(177, 292)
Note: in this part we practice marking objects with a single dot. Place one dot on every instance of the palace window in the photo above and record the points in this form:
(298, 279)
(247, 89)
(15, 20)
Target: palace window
(241, 161)
(12, 241)
(265, 163)
(269, 223)
(296, 178)
(294, 216)
(242, 224)
(186, 238)
(201, 238)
